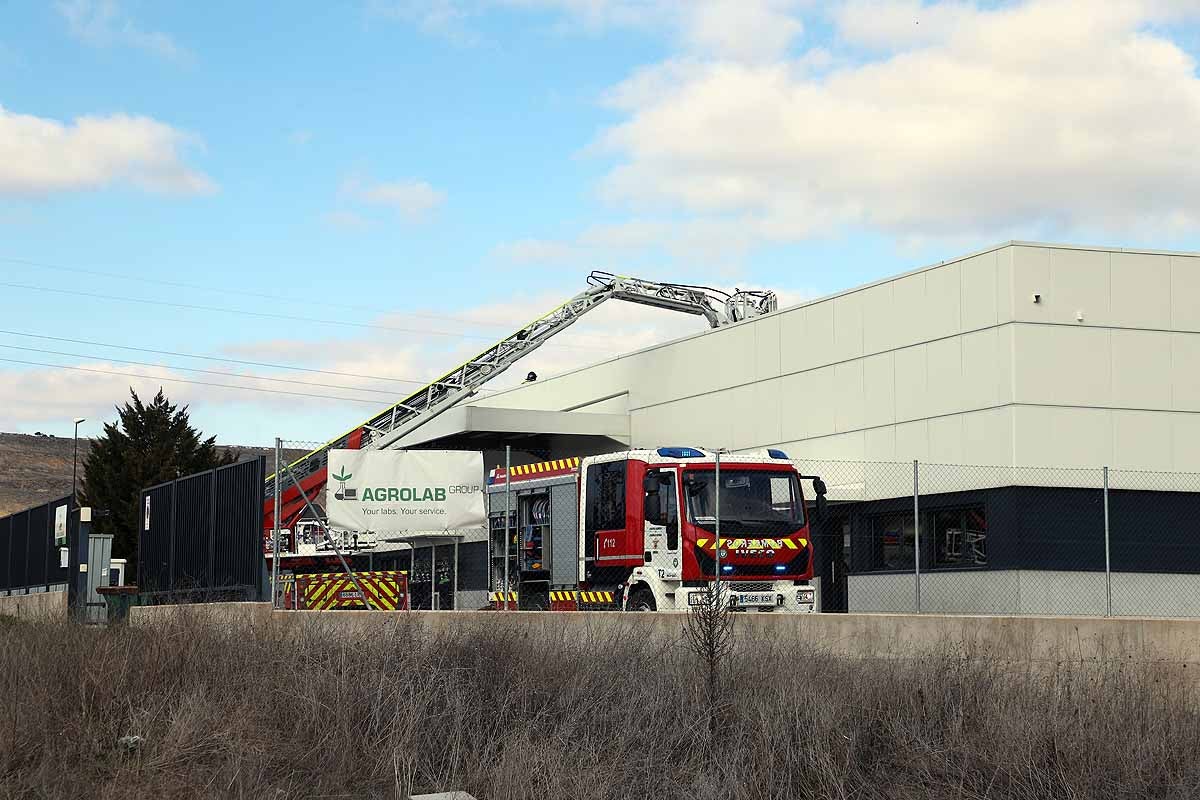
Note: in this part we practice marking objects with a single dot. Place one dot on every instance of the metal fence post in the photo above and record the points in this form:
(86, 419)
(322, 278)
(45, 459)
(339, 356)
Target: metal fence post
(275, 530)
(1107, 562)
(507, 517)
(917, 531)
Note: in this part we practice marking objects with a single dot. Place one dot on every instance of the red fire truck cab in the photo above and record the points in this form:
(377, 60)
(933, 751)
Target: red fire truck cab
(638, 530)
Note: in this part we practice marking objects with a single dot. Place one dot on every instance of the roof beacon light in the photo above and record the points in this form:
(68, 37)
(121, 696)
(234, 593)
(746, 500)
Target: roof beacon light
(680, 452)
(777, 454)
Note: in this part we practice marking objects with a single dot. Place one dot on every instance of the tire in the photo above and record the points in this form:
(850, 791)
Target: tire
(641, 600)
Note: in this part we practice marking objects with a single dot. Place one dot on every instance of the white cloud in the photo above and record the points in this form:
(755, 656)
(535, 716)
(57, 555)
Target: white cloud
(1059, 113)
(43, 155)
(743, 29)
(536, 251)
(411, 200)
(345, 220)
(103, 23)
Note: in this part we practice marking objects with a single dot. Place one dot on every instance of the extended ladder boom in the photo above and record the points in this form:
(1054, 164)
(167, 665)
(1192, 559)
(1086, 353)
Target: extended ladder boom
(389, 427)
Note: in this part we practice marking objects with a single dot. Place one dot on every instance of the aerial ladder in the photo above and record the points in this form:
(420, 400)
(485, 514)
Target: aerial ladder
(389, 427)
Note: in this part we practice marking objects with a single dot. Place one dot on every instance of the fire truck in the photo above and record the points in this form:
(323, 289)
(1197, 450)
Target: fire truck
(297, 493)
(638, 531)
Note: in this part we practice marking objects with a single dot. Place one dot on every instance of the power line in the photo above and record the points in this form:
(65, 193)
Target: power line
(259, 295)
(269, 315)
(217, 359)
(391, 394)
(194, 383)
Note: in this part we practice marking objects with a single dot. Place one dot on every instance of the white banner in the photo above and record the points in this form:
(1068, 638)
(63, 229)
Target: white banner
(405, 490)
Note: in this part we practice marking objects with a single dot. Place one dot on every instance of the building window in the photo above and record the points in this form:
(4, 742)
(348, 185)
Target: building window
(950, 538)
(960, 537)
(893, 539)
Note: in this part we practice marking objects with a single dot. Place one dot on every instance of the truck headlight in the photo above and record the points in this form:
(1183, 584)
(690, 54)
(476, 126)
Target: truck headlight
(805, 597)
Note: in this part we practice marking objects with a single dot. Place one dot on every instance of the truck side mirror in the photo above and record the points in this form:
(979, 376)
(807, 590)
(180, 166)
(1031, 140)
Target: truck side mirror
(650, 483)
(820, 509)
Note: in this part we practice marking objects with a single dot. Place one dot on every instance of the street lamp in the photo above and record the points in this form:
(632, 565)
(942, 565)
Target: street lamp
(75, 458)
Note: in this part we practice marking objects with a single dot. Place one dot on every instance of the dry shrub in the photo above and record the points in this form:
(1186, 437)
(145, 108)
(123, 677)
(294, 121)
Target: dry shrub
(580, 713)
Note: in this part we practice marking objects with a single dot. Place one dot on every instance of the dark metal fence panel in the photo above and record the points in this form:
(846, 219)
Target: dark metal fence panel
(154, 541)
(202, 535)
(193, 531)
(41, 536)
(237, 555)
(29, 555)
(20, 549)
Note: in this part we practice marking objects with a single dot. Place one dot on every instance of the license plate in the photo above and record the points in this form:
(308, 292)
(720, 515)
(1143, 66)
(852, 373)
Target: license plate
(756, 599)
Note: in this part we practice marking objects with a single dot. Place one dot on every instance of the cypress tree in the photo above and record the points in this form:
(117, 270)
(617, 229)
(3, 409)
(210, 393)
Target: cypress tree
(147, 445)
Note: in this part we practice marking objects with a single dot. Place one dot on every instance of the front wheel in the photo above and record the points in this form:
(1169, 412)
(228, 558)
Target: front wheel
(641, 600)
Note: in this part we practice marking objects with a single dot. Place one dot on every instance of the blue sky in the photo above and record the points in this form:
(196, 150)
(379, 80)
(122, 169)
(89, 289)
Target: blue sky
(455, 167)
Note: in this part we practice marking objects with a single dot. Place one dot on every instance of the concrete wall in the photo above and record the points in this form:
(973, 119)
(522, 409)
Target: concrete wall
(1027, 592)
(953, 363)
(1009, 639)
(39, 605)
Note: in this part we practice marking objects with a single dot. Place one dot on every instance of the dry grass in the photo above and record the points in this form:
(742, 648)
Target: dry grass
(266, 713)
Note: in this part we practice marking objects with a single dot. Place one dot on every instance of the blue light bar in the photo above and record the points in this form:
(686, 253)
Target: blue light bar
(680, 452)
(781, 567)
(726, 568)
(776, 454)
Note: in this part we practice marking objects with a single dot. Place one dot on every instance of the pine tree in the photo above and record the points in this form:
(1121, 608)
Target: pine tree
(149, 444)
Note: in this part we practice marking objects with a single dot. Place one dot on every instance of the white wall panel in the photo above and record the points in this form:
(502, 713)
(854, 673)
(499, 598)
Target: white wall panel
(816, 347)
(794, 345)
(882, 318)
(988, 436)
(986, 366)
(911, 327)
(978, 285)
(946, 440)
(912, 441)
(1185, 371)
(1185, 291)
(880, 443)
(879, 389)
(1030, 275)
(1185, 442)
(839, 447)
(848, 327)
(1062, 437)
(945, 376)
(1141, 440)
(1006, 298)
(942, 309)
(1079, 281)
(849, 400)
(912, 383)
(1141, 368)
(1062, 365)
(766, 347)
(1141, 290)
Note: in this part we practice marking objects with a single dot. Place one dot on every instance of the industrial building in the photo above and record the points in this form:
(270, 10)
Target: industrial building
(1017, 357)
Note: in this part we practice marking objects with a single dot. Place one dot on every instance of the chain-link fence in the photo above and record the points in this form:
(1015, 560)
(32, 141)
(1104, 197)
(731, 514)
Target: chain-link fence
(952, 539)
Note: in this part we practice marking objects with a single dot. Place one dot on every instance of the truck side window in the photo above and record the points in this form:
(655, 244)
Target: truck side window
(606, 497)
(663, 509)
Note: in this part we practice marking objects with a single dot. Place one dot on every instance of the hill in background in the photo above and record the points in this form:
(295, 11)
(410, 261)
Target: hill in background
(34, 468)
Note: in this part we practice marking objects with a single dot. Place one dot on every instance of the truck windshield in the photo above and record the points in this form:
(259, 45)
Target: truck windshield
(754, 500)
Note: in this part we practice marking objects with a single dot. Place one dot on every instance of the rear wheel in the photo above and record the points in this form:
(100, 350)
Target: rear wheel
(641, 600)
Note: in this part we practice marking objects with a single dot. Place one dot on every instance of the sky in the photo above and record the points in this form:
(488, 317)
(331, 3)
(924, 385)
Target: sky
(356, 196)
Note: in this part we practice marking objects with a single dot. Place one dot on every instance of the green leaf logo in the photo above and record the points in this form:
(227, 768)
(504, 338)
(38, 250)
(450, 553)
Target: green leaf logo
(343, 478)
